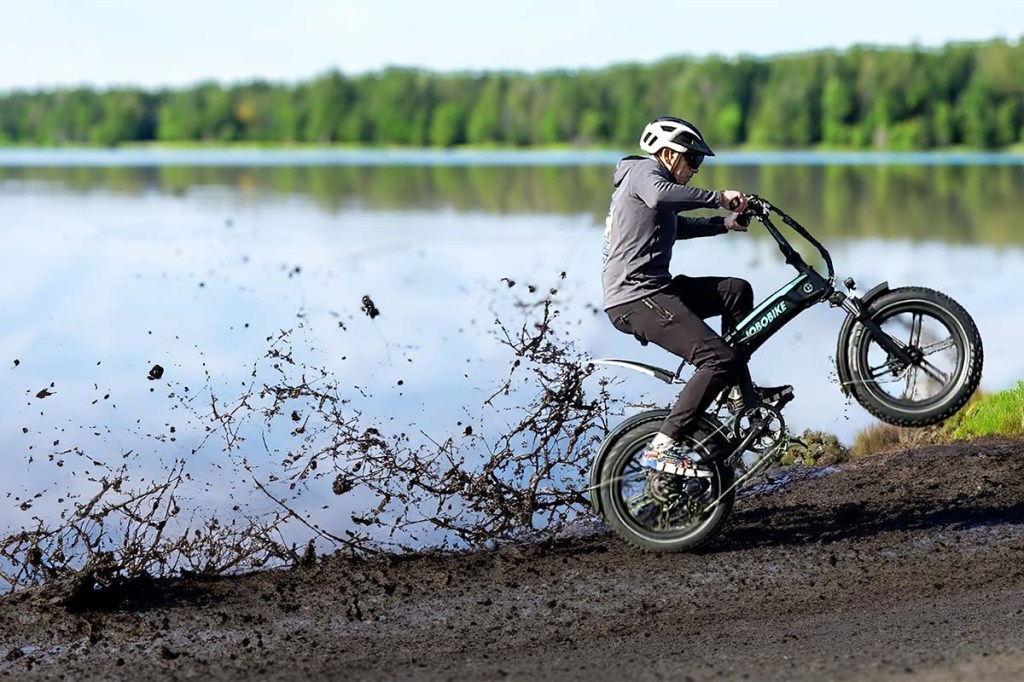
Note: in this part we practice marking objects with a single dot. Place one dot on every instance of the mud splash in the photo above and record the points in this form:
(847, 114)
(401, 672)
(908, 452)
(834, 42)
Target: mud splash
(295, 431)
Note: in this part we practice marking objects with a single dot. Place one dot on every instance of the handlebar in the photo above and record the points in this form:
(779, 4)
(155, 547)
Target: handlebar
(761, 209)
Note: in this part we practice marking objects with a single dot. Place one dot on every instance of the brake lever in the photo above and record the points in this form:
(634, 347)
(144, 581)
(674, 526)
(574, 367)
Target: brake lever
(755, 205)
(741, 219)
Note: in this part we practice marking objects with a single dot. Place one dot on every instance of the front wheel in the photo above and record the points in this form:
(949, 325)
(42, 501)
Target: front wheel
(946, 352)
(657, 511)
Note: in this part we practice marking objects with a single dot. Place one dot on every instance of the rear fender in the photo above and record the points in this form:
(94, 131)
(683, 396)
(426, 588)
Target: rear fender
(650, 370)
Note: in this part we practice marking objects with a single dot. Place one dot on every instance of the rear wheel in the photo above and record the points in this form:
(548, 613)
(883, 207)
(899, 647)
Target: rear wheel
(657, 511)
(946, 352)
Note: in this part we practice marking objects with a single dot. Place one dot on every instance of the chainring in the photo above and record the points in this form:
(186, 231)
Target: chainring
(767, 425)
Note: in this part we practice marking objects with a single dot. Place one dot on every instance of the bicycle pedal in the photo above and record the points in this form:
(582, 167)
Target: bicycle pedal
(784, 400)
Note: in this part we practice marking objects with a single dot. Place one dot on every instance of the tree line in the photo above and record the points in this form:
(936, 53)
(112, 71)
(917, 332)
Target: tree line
(966, 94)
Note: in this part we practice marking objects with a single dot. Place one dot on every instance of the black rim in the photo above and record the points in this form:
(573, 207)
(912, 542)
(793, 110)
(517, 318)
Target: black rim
(659, 504)
(937, 346)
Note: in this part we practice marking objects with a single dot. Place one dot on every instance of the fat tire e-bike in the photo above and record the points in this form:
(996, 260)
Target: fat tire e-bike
(910, 356)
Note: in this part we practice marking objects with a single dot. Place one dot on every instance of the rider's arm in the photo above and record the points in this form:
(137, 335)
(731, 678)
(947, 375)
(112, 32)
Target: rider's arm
(688, 228)
(654, 189)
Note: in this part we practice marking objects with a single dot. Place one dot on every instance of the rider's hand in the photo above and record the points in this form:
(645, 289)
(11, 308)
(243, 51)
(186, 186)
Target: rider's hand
(732, 223)
(734, 200)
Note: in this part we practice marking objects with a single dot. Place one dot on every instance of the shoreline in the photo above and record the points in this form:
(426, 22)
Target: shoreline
(200, 155)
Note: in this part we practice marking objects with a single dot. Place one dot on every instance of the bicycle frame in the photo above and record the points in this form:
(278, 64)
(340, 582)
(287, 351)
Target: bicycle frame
(806, 290)
(776, 311)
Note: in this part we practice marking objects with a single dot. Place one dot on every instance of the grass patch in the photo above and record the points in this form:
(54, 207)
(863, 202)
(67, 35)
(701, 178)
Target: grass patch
(882, 437)
(999, 414)
(816, 447)
(995, 414)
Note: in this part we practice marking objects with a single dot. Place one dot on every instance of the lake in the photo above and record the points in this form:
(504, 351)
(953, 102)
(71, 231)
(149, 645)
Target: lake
(203, 262)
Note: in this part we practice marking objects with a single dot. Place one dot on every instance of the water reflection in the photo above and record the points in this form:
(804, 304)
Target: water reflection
(948, 203)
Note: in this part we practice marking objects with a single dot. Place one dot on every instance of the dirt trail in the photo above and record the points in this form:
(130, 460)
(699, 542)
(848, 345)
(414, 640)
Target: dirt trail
(901, 566)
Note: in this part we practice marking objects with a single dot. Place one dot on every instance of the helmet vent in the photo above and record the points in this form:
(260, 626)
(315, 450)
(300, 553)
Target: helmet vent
(674, 133)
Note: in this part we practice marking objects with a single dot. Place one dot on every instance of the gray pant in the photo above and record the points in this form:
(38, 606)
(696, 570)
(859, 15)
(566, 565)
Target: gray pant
(674, 318)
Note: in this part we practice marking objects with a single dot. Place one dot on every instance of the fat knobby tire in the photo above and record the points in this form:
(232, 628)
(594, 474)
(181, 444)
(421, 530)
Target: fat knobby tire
(953, 315)
(614, 509)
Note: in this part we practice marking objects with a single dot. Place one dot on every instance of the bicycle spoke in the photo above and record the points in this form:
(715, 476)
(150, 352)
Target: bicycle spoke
(647, 516)
(938, 346)
(911, 383)
(915, 330)
(664, 519)
(632, 467)
(934, 372)
(637, 502)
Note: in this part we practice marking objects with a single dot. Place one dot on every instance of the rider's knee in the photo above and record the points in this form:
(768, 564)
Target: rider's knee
(725, 363)
(741, 292)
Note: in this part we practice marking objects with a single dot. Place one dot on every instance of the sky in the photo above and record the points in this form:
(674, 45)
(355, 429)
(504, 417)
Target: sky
(103, 43)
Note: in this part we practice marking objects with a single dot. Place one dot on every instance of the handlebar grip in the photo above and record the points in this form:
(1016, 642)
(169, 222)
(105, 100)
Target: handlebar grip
(744, 219)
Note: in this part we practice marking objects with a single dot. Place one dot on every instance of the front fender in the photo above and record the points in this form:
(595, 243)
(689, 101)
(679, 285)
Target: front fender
(842, 343)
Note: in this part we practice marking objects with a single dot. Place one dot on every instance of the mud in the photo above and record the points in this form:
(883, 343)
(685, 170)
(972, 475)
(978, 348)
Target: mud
(908, 565)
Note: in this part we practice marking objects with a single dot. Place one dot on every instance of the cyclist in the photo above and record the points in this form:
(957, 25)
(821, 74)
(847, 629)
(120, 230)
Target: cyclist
(643, 299)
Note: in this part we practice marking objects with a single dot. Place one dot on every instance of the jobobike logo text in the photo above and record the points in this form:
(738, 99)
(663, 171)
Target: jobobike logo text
(766, 318)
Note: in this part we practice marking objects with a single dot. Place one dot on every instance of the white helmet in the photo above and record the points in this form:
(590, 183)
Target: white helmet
(674, 133)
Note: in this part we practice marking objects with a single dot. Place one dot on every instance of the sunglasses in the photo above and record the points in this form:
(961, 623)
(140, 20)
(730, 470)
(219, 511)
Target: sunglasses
(694, 159)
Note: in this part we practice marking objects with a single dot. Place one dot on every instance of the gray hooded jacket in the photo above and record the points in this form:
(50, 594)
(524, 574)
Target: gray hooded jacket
(643, 225)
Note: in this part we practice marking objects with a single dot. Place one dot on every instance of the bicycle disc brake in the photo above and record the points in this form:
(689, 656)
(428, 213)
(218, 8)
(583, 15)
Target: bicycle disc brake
(673, 493)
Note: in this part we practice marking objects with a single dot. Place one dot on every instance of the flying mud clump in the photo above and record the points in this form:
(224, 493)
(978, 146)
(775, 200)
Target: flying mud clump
(369, 308)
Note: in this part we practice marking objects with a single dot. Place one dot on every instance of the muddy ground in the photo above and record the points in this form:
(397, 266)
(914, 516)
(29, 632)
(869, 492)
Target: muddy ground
(901, 566)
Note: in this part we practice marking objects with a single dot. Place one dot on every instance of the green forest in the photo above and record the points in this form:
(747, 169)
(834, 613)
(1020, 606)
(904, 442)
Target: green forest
(967, 95)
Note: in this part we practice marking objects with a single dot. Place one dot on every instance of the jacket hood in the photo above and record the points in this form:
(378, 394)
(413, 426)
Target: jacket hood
(624, 167)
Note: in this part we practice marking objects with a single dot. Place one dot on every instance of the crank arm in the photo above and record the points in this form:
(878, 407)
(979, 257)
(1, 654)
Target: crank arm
(744, 444)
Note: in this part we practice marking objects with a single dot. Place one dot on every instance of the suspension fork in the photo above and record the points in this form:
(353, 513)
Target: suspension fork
(855, 307)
